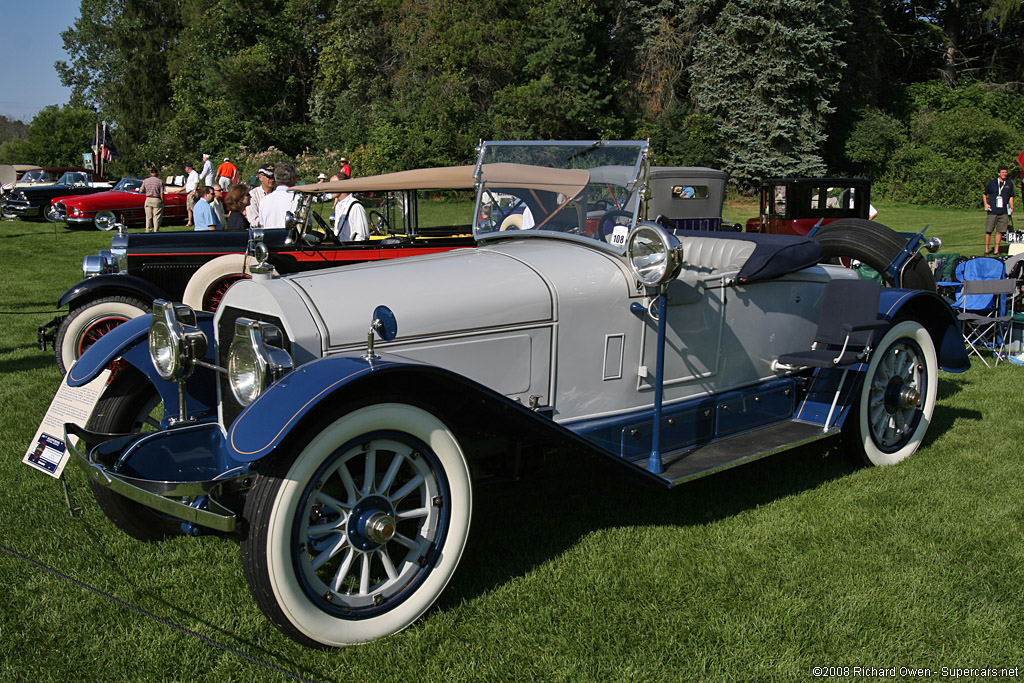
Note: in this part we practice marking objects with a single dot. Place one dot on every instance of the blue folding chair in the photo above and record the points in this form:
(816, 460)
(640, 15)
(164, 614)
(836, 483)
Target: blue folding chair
(982, 306)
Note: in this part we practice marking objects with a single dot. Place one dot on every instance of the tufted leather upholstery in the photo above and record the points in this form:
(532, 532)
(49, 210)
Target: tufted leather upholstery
(707, 255)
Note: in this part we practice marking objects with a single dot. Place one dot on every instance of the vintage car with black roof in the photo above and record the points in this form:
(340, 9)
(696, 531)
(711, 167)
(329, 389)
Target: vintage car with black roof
(34, 201)
(337, 418)
(198, 267)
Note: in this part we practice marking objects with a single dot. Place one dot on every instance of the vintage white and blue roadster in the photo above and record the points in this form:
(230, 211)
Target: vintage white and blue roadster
(335, 418)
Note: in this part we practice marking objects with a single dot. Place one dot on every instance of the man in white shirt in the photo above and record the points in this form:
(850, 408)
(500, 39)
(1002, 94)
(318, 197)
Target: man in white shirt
(206, 175)
(191, 183)
(256, 194)
(275, 206)
(351, 224)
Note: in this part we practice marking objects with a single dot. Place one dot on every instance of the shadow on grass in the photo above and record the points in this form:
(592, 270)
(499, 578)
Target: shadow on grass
(38, 359)
(519, 526)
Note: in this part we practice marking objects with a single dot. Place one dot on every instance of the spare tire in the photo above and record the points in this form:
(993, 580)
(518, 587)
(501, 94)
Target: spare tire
(873, 244)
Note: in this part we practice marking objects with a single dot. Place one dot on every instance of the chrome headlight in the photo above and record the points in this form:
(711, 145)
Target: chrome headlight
(655, 255)
(175, 342)
(256, 359)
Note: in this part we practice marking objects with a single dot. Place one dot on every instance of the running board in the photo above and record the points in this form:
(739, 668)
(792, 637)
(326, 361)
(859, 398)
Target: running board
(722, 454)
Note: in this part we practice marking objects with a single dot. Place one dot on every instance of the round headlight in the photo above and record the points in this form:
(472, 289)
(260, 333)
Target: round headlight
(163, 350)
(245, 376)
(655, 255)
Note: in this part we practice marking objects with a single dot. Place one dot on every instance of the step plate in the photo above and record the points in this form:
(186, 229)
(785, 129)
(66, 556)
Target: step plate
(734, 450)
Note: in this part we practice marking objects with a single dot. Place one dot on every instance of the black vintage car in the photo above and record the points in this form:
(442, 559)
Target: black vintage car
(33, 201)
(198, 267)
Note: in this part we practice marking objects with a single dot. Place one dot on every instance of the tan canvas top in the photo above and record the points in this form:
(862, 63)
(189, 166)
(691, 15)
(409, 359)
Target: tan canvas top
(568, 182)
(444, 178)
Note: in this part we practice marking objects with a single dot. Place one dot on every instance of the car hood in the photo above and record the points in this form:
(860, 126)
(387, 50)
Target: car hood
(468, 289)
(83, 200)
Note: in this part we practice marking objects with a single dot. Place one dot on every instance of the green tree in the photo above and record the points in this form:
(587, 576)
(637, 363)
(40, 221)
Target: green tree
(119, 64)
(765, 73)
(567, 88)
(57, 136)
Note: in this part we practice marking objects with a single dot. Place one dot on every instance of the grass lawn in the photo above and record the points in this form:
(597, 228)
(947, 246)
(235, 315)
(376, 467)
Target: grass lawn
(760, 573)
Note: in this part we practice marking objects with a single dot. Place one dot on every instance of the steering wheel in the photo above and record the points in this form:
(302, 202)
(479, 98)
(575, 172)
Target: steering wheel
(378, 223)
(606, 224)
(328, 231)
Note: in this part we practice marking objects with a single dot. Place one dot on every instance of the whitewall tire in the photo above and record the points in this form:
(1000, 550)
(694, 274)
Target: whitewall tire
(85, 324)
(893, 410)
(207, 285)
(353, 535)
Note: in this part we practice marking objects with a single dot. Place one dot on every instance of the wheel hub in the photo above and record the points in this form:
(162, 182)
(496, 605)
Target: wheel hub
(371, 523)
(900, 396)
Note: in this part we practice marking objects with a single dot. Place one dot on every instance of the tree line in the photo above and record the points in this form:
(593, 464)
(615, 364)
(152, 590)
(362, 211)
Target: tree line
(924, 97)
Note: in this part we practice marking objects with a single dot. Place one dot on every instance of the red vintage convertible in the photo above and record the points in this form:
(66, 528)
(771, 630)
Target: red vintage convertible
(123, 204)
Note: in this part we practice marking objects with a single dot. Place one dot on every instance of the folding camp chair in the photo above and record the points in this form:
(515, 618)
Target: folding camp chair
(992, 327)
(846, 324)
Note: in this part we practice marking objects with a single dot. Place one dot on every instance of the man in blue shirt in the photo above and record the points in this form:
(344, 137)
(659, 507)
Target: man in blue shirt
(203, 213)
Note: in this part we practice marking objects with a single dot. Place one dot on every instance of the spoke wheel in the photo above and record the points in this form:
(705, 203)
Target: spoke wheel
(130, 404)
(894, 408)
(354, 535)
(216, 291)
(105, 220)
(84, 325)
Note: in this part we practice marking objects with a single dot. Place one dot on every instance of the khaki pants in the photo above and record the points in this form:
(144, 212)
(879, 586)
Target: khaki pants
(154, 213)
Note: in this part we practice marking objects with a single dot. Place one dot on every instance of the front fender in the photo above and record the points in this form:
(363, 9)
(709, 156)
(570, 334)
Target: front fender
(119, 342)
(129, 342)
(295, 401)
(110, 285)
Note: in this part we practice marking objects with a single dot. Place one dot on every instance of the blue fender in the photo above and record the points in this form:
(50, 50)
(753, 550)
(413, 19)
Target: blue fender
(937, 316)
(270, 418)
(111, 285)
(930, 310)
(129, 342)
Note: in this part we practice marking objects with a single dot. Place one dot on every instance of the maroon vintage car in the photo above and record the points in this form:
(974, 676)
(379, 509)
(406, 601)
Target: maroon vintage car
(123, 204)
(794, 206)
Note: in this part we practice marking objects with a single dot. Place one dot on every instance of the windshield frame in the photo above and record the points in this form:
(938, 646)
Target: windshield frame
(569, 184)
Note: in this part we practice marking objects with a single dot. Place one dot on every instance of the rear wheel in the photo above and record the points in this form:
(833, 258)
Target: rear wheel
(892, 412)
(84, 325)
(352, 535)
(875, 245)
(130, 404)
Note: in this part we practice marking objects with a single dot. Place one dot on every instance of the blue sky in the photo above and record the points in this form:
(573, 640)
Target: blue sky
(29, 45)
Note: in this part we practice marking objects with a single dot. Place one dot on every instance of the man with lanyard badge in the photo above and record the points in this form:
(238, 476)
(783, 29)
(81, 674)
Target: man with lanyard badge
(998, 199)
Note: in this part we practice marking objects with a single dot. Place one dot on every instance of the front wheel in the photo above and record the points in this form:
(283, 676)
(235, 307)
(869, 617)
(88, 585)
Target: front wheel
(83, 326)
(892, 412)
(353, 534)
(130, 405)
(105, 220)
(875, 245)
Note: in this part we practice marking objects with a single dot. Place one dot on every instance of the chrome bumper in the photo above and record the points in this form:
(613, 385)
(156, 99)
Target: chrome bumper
(23, 210)
(161, 495)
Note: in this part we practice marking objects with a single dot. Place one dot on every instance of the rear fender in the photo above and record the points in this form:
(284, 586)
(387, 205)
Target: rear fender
(930, 310)
(129, 342)
(110, 285)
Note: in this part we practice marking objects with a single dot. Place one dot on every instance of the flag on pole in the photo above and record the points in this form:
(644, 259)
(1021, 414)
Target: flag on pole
(107, 150)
